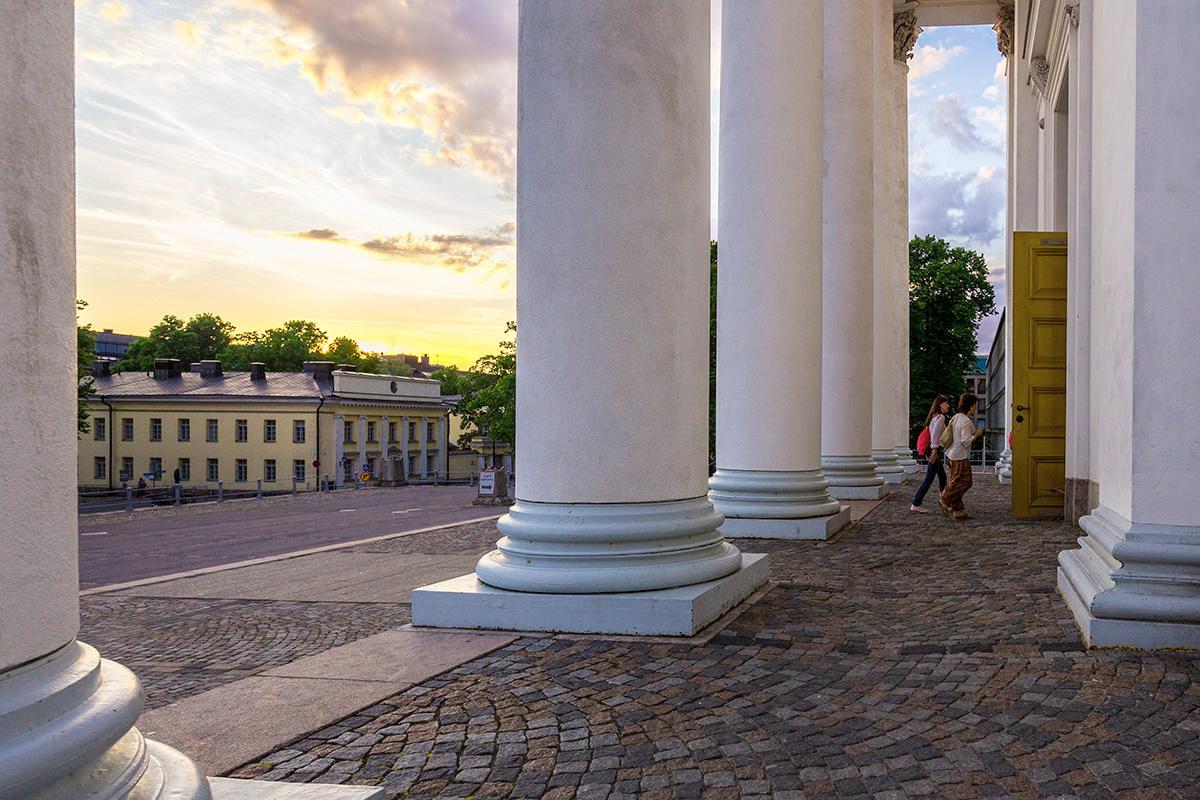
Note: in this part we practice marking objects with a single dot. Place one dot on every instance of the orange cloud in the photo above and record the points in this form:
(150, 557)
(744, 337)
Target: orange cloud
(459, 252)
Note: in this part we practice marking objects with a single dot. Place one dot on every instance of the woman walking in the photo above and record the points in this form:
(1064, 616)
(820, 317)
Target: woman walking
(935, 423)
(964, 433)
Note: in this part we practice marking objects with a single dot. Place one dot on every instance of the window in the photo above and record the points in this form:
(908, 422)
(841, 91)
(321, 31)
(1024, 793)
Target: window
(429, 434)
(268, 430)
(431, 463)
(391, 431)
(269, 470)
(100, 468)
(211, 433)
(214, 470)
(127, 468)
(185, 469)
(156, 429)
(298, 431)
(185, 429)
(298, 469)
(127, 429)
(348, 432)
(412, 431)
(241, 430)
(241, 471)
(371, 432)
(98, 428)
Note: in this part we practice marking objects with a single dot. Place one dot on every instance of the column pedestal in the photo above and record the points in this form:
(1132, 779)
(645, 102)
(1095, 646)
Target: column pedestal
(887, 465)
(853, 478)
(776, 505)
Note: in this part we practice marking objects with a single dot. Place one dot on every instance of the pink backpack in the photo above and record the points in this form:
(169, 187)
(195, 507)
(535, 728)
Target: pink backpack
(923, 443)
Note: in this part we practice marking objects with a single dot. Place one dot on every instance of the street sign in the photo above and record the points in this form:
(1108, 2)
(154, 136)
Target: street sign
(487, 483)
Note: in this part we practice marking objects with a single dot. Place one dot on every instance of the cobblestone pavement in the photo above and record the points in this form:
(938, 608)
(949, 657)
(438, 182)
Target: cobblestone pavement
(914, 657)
(180, 647)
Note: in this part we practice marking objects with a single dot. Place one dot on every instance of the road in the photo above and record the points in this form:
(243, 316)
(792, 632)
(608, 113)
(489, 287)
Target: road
(145, 544)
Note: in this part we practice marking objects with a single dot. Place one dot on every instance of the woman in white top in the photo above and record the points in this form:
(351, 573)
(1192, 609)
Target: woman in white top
(935, 421)
(958, 454)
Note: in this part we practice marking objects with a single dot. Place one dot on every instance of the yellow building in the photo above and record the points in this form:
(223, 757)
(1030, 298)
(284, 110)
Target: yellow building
(324, 423)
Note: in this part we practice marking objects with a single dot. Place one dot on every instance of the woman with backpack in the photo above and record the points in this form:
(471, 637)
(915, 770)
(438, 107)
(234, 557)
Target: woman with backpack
(957, 440)
(928, 445)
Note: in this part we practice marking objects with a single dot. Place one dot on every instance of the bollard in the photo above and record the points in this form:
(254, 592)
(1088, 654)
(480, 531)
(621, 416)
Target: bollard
(177, 494)
(220, 491)
(128, 498)
(258, 492)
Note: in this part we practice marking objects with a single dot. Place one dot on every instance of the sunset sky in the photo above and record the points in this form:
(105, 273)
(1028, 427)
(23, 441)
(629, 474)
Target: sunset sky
(352, 163)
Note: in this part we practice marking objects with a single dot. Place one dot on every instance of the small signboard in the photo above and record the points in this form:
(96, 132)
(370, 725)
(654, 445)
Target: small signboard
(487, 483)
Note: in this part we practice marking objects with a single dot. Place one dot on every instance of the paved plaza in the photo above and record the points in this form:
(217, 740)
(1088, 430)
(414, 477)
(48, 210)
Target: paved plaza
(913, 656)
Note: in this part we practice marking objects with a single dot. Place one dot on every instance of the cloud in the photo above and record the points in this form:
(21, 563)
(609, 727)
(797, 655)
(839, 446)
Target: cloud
(928, 59)
(115, 10)
(950, 118)
(457, 251)
(965, 205)
(446, 68)
(189, 32)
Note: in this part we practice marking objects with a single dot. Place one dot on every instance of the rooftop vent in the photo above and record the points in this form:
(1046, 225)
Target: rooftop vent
(347, 367)
(167, 368)
(318, 367)
(210, 368)
(100, 369)
(258, 371)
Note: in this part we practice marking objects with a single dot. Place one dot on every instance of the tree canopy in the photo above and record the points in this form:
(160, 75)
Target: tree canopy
(282, 349)
(85, 348)
(489, 392)
(949, 295)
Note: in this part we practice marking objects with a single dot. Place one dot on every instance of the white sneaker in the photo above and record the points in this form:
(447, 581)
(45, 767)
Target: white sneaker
(917, 510)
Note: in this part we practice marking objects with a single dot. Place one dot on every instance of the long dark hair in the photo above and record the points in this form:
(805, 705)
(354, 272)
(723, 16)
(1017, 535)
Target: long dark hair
(935, 408)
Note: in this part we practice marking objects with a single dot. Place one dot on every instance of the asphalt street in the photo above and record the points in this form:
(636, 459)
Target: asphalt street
(114, 548)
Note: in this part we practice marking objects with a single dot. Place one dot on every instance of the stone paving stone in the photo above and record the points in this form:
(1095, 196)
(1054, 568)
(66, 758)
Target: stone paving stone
(915, 656)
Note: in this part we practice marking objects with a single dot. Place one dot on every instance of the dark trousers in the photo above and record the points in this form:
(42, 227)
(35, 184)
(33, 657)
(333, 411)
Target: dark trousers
(960, 482)
(934, 469)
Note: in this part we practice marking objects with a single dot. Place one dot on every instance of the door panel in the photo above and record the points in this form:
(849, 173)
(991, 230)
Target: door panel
(1039, 393)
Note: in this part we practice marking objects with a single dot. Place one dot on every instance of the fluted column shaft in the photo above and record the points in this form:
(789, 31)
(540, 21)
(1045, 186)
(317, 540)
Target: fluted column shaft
(900, 238)
(769, 278)
(848, 303)
(612, 273)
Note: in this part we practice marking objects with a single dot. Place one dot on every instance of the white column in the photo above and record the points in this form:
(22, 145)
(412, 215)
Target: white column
(847, 311)
(66, 715)
(886, 354)
(404, 446)
(613, 208)
(903, 41)
(1135, 580)
(362, 444)
(444, 446)
(384, 438)
(768, 481)
(424, 436)
(339, 449)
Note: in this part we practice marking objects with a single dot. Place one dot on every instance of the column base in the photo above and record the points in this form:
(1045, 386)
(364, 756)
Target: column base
(234, 789)
(808, 528)
(602, 548)
(467, 602)
(859, 492)
(852, 478)
(1133, 585)
(906, 459)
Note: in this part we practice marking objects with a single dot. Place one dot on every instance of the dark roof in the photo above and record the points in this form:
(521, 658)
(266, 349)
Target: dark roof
(290, 385)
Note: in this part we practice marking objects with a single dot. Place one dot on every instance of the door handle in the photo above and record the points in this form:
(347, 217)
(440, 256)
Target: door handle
(1022, 408)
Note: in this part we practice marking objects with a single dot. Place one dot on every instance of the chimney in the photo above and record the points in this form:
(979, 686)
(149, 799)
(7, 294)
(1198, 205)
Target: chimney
(167, 368)
(100, 369)
(318, 367)
(210, 368)
(424, 359)
(347, 367)
(258, 371)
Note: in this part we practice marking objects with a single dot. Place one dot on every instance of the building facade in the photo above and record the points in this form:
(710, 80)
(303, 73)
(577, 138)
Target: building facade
(112, 346)
(322, 425)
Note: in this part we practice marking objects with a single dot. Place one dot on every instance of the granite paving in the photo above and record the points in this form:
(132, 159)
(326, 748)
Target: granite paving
(914, 656)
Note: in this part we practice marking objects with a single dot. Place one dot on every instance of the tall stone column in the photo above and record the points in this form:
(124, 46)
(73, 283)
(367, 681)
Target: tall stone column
(66, 714)
(904, 33)
(339, 449)
(362, 445)
(424, 436)
(768, 481)
(613, 209)
(384, 438)
(847, 398)
(886, 357)
(404, 446)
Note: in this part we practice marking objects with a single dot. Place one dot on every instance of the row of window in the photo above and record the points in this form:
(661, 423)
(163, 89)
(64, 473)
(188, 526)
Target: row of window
(241, 469)
(241, 430)
(349, 426)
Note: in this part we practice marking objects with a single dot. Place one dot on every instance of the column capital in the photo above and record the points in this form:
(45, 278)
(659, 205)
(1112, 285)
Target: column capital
(1005, 24)
(1039, 74)
(904, 34)
(1072, 7)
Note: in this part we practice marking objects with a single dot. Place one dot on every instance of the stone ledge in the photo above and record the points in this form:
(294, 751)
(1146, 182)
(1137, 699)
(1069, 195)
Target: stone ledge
(859, 492)
(235, 789)
(808, 528)
(465, 602)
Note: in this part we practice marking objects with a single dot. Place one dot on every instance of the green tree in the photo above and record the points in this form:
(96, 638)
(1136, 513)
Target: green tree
(489, 393)
(201, 337)
(453, 380)
(85, 353)
(949, 295)
(344, 350)
(282, 349)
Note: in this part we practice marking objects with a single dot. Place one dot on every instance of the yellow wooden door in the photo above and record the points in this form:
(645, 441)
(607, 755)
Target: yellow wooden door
(1039, 373)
